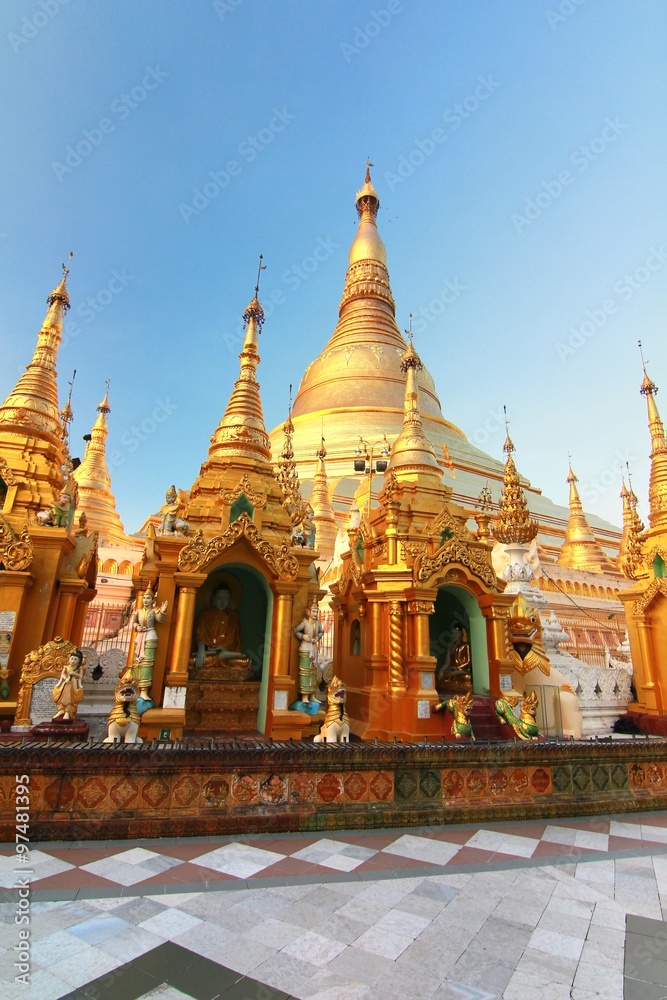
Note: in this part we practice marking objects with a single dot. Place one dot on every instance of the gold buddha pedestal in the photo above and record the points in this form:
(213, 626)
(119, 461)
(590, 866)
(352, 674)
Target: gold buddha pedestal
(222, 698)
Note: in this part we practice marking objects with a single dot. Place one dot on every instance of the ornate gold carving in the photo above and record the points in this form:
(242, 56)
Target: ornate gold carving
(288, 478)
(455, 551)
(16, 552)
(197, 553)
(445, 520)
(411, 550)
(658, 586)
(256, 497)
(380, 550)
(420, 607)
(391, 490)
(513, 524)
(7, 474)
(366, 529)
(46, 661)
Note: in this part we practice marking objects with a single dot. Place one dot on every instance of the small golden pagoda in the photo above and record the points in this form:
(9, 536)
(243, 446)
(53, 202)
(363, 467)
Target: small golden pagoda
(581, 550)
(239, 540)
(645, 562)
(415, 586)
(92, 477)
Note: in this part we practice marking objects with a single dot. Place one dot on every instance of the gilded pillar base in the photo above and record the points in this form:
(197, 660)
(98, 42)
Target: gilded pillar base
(162, 724)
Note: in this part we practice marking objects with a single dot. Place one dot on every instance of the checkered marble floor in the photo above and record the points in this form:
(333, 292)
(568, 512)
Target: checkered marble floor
(478, 912)
(201, 862)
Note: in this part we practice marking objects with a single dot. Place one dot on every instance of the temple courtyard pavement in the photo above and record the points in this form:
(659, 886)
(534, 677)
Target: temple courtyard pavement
(563, 908)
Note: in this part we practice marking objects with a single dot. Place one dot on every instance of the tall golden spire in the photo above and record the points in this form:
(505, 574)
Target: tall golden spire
(513, 525)
(360, 366)
(31, 431)
(96, 500)
(240, 451)
(324, 517)
(412, 452)
(33, 404)
(657, 491)
(580, 550)
(241, 433)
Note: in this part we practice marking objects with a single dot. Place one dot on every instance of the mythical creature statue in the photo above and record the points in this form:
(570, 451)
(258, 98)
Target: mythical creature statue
(336, 726)
(124, 719)
(171, 523)
(524, 632)
(68, 692)
(460, 706)
(525, 726)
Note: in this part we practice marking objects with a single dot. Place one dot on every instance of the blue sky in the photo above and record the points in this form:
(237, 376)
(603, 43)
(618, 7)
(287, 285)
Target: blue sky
(519, 152)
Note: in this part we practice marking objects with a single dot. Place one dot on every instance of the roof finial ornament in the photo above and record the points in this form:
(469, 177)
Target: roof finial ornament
(254, 309)
(261, 267)
(368, 170)
(71, 386)
(65, 267)
(508, 446)
(408, 332)
(648, 387)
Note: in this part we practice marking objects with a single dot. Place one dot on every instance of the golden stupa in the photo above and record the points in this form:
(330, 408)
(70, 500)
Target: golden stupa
(357, 382)
(92, 477)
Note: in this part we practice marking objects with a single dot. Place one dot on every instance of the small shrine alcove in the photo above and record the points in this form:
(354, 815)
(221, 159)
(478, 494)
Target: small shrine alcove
(228, 670)
(456, 621)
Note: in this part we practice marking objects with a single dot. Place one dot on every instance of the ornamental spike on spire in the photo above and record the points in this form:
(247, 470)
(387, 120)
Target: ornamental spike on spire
(241, 432)
(92, 477)
(581, 550)
(513, 525)
(657, 492)
(324, 517)
(412, 452)
(629, 559)
(32, 430)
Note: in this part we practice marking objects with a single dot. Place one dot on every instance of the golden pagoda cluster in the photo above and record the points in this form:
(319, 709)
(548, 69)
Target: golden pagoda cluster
(402, 561)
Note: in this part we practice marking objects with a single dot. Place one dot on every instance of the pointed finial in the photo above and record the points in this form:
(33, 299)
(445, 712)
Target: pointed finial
(71, 387)
(508, 446)
(60, 293)
(254, 308)
(408, 332)
(104, 405)
(368, 170)
(648, 388)
(261, 267)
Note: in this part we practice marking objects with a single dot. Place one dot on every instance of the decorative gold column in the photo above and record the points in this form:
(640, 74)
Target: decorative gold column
(397, 680)
(188, 584)
(652, 695)
(67, 607)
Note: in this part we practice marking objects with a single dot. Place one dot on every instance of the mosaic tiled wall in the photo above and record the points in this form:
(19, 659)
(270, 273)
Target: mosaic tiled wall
(147, 791)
